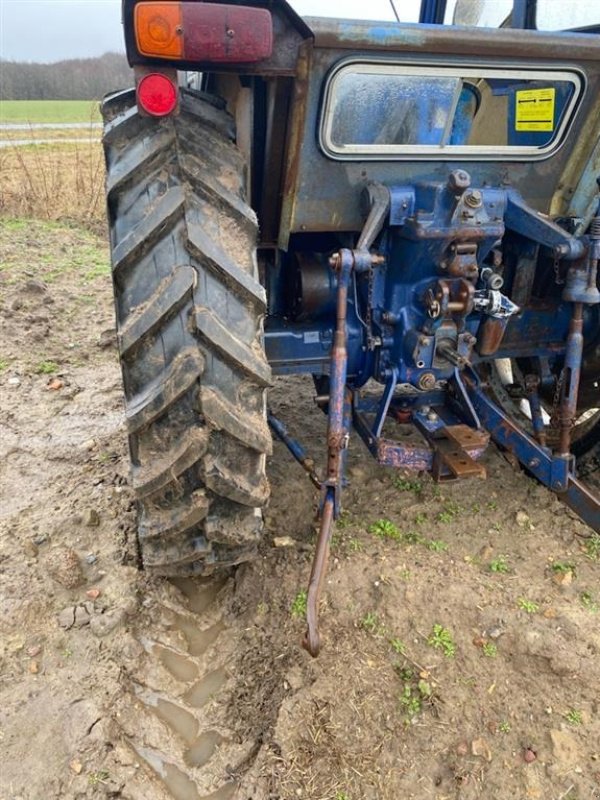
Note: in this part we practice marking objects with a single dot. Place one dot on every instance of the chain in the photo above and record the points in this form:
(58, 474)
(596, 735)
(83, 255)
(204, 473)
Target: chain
(554, 418)
(557, 278)
(369, 314)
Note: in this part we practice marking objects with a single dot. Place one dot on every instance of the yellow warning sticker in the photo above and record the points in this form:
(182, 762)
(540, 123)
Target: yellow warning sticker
(535, 110)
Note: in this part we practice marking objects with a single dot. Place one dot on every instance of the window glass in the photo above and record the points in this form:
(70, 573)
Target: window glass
(556, 15)
(390, 109)
(481, 13)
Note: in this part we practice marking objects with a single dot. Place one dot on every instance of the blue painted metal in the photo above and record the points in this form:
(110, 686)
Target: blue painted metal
(295, 448)
(432, 12)
(556, 472)
(522, 219)
(420, 249)
(386, 399)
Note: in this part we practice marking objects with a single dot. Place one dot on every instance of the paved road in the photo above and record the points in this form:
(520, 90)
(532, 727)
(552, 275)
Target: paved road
(26, 142)
(39, 126)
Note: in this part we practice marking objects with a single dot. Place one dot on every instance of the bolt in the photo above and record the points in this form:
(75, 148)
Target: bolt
(535, 462)
(432, 416)
(426, 381)
(459, 180)
(230, 33)
(473, 199)
(425, 409)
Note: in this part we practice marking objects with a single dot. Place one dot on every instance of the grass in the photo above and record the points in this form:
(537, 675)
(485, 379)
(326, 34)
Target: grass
(298, 607)
(407, 485)
(562, 567)
(398, 646)
(450, 511)
(588, 602)
(47, 111)
(527, 605)
(489, 649)
(46, 368)
(440, 638)
(574, 717)
(385, 529)
(99, 777)
(410, 701)
(372, 624)
(55, 182)
(499, 565)
(435, 545)
(592, 547)
(414, 693)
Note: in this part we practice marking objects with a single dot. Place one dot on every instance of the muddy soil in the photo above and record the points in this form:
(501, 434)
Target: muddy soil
(461, 642)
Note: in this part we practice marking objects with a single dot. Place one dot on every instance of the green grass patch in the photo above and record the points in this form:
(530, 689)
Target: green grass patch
(440, 638)
(499, 565)
(592, 547)
(46, 368)
(38, 112)
(298, 607)
(385, 529)
(527, 605)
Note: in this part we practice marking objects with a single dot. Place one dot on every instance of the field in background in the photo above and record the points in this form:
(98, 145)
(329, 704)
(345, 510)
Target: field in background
(52, 182)
(48, 111)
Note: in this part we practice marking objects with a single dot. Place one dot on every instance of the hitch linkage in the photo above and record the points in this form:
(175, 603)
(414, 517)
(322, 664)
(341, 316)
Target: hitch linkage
(451, 445)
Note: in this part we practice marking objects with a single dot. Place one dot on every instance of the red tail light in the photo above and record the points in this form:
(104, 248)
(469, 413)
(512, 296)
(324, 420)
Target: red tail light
(157, 95)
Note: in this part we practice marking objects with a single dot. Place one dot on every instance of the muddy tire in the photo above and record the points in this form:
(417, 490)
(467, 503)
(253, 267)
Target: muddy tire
(189, 310)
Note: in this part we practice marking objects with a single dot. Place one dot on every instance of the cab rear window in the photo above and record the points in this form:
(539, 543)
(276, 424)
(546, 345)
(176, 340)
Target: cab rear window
(384, 110)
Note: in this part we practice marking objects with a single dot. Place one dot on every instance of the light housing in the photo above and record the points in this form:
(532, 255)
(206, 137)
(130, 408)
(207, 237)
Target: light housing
(203, 32)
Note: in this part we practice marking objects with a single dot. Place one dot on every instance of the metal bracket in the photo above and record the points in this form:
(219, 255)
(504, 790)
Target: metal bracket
(556, 472)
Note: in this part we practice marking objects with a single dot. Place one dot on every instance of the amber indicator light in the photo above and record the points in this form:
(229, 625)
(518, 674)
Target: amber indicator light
(159, 29)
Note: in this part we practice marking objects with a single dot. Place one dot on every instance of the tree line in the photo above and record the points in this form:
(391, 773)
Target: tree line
(73, 79)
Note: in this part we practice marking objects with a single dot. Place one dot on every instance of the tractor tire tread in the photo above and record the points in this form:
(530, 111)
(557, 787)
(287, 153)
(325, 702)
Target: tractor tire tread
(189, 309)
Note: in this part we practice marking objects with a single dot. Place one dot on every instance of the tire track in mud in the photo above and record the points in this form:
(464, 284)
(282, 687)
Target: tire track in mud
(173, 715)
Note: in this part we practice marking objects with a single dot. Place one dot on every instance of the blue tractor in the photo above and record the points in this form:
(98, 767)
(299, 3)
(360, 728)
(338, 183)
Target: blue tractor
(406, 212)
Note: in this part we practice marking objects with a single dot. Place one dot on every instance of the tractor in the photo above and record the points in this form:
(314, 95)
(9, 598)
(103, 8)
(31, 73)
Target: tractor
(408, 213)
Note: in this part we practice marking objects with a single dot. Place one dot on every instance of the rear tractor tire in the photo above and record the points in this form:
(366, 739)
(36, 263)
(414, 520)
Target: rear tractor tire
(189, 310)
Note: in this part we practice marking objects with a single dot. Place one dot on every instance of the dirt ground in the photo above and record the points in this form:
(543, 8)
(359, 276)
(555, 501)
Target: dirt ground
(462, 647)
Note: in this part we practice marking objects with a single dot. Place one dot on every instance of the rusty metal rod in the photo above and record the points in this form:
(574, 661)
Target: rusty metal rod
(312, 637)
(337, 440)
(570, 382)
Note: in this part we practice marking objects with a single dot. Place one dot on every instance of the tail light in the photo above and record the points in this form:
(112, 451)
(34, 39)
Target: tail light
(157, 94)
(203, 32)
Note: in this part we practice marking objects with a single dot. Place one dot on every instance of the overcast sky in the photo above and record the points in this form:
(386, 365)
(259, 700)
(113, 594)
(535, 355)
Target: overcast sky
(49, 30)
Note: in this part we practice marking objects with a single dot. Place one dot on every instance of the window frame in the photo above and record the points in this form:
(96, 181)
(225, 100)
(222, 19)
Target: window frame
(402, 152)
